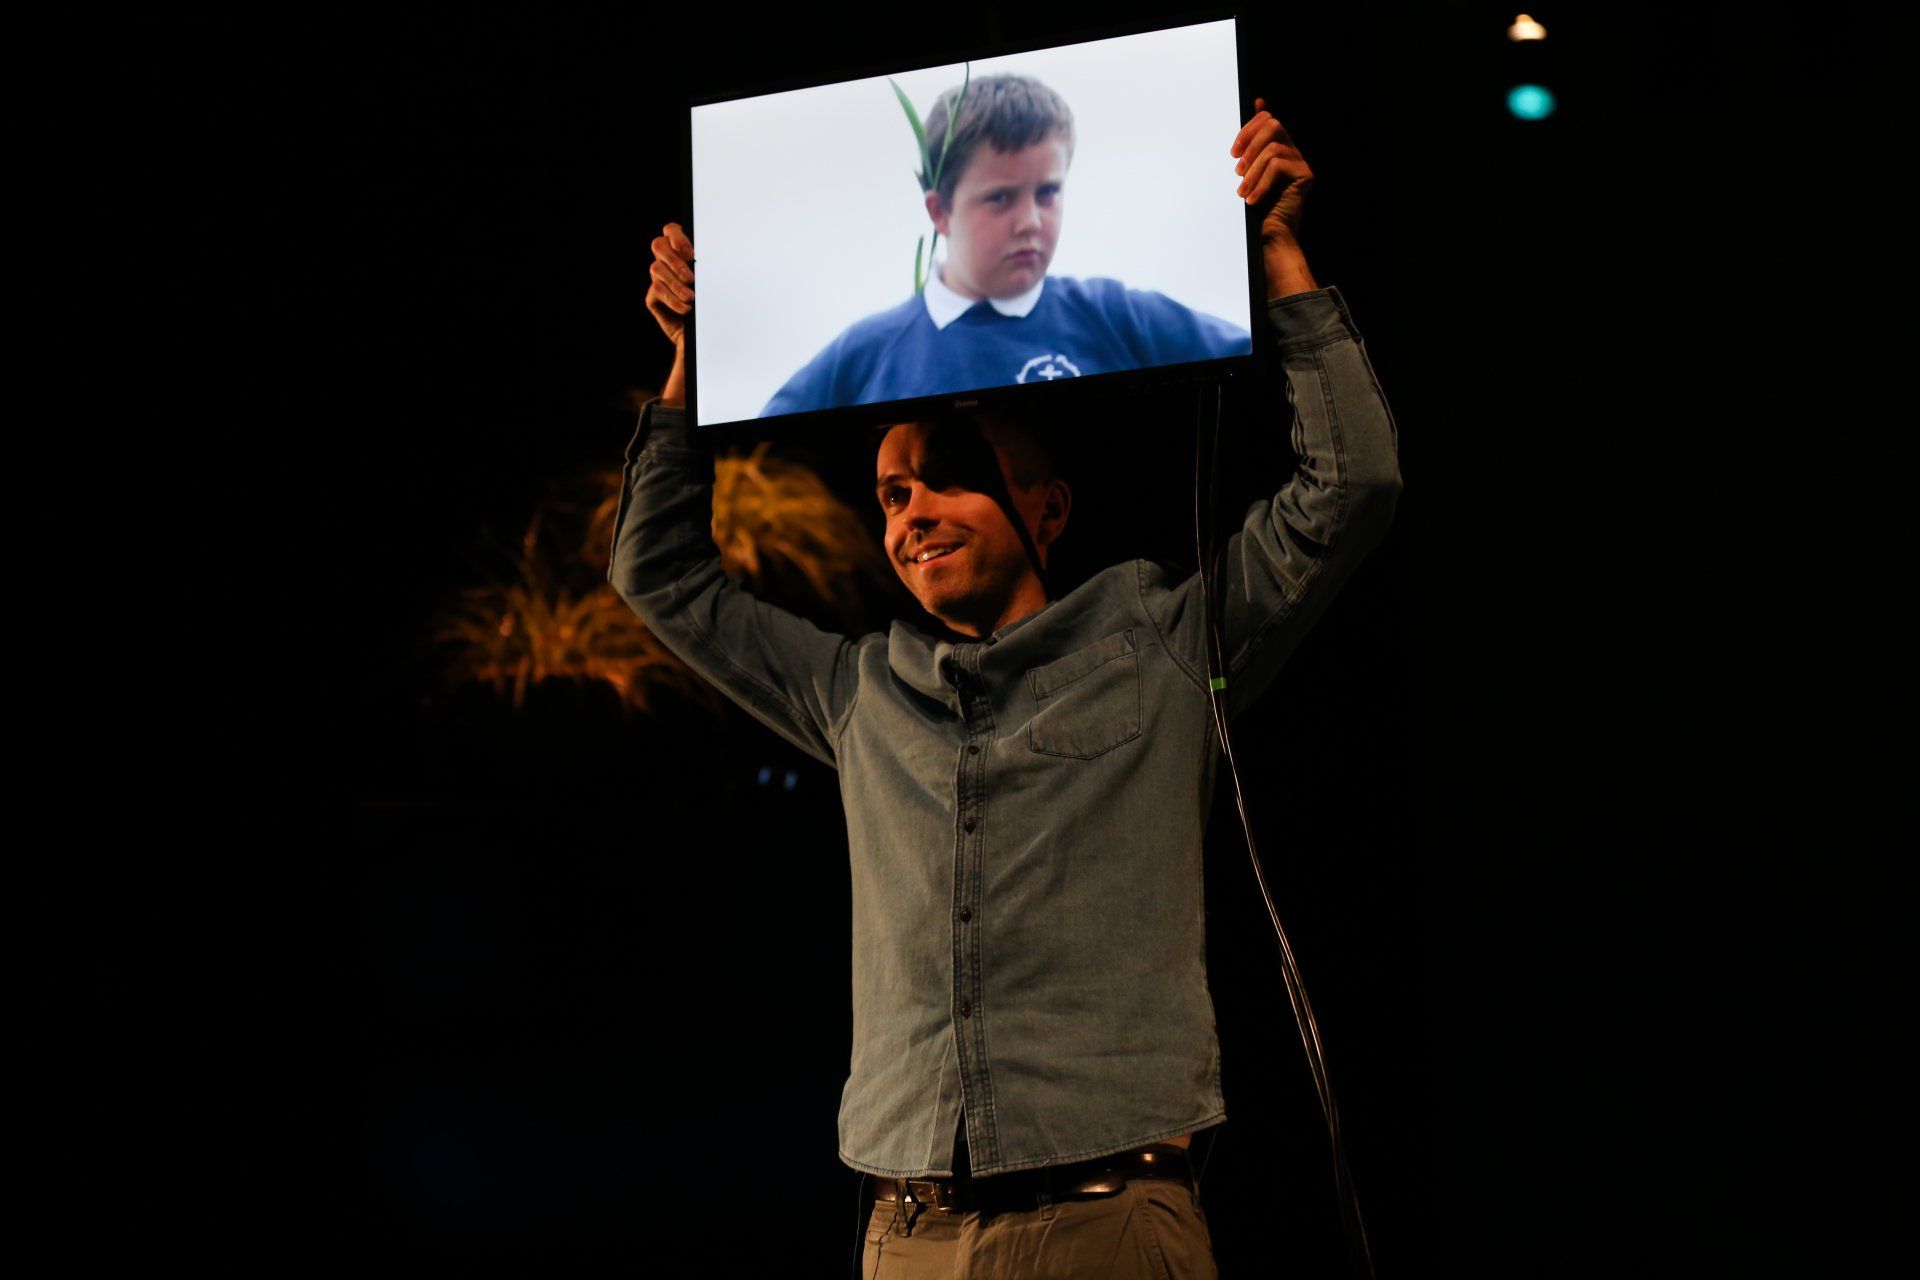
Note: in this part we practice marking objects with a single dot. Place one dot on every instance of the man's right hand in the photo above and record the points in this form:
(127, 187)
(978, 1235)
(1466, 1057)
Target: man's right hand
(670, 296)
(670, 299)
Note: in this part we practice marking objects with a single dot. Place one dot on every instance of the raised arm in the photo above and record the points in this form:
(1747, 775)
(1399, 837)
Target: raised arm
(791, 675)
(1294, 551)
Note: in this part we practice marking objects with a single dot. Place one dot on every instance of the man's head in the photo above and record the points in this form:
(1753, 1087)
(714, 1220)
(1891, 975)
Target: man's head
(944, 488)
(1003, 167)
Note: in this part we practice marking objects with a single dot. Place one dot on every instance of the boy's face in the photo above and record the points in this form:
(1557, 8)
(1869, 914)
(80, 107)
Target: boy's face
(1005, 219)
(933, 493)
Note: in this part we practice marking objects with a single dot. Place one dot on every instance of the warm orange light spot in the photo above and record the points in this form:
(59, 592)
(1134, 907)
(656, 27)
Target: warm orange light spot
(1525, 28)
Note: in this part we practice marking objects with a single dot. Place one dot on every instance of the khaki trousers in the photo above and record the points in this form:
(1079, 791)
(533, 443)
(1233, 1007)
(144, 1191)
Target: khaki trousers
(1149, 1230)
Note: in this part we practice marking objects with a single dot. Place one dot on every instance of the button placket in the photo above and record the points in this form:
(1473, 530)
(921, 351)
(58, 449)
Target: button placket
(976, 710)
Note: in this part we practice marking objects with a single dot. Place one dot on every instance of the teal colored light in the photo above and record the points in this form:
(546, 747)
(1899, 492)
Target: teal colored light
(1530, 101)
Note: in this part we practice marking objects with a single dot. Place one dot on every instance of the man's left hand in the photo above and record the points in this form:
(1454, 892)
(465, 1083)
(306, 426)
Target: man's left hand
(1275, 177)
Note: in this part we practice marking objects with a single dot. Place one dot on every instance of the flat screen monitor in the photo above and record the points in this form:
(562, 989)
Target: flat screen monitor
(860, 254)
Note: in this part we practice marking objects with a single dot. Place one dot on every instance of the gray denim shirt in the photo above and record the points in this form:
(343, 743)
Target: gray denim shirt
(1025, 812)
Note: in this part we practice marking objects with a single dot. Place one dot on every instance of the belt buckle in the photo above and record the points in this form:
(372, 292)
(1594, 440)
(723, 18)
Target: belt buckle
(930, 1193)
(1100, 1184)
(1109, 1174)
(1164, 1160)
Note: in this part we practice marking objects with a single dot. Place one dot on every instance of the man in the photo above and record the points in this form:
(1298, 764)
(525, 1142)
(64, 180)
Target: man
(1034, 1042)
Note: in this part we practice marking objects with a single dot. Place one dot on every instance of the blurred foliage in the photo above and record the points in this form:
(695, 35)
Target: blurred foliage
(791, 541)
(552, 614)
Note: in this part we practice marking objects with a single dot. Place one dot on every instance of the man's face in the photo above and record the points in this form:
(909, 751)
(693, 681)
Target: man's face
(932, 486)
(1005, 219)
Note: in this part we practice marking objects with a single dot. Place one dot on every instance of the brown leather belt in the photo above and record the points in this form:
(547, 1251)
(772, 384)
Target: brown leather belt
(1023, 1189)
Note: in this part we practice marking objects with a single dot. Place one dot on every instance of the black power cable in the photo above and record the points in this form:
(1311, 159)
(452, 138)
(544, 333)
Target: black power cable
(862, 1215)
(1206, 462)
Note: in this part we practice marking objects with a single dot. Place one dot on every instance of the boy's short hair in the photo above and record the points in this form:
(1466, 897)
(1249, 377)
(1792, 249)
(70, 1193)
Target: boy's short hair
(1009, 111)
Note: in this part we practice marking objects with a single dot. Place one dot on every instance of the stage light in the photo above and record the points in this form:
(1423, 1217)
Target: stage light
(1530, 101)
(1525, 28)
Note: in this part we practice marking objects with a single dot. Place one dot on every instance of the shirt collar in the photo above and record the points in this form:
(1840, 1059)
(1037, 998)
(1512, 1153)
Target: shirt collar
(918, 657)
(1009, 629)
(944, 306)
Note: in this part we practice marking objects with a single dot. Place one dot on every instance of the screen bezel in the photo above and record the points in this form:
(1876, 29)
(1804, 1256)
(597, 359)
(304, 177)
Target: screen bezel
(1028, 397)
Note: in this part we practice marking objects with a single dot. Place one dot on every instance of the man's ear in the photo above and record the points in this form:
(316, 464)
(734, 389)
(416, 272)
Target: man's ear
(936, 210)
(1054, 510)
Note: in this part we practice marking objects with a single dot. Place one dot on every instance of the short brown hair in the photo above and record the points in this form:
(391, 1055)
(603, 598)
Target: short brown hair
(1029, 455)
(1009, 111)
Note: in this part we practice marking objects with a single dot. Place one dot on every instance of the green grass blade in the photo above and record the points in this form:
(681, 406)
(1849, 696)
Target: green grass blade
(919, 130)
(953, 118)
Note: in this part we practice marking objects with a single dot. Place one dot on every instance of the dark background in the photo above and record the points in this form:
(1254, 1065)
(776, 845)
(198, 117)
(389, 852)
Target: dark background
(381, 975)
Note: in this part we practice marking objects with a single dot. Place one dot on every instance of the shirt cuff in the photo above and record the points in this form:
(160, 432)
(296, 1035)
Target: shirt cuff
(1302, 321)
(664, 429)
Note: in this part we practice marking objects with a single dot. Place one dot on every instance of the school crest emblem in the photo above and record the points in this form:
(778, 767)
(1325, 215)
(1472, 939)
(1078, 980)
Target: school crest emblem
(1047, 368)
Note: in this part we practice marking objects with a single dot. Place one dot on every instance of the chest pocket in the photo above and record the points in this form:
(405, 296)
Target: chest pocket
(1087, 703)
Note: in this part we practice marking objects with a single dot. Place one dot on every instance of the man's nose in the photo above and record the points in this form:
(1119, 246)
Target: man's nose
(920, 511)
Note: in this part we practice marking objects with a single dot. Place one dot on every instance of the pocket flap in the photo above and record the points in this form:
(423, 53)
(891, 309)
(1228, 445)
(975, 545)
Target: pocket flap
(1044, 681)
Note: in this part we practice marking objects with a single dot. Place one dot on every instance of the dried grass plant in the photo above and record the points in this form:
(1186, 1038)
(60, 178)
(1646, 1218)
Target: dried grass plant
(787, 537)
(779, 530)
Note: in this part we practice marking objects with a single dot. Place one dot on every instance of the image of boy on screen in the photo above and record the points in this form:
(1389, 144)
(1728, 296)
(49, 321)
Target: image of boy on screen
(990, 314)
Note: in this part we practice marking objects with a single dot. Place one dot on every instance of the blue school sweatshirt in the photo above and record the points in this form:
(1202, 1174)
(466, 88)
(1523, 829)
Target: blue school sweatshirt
(1071, 329)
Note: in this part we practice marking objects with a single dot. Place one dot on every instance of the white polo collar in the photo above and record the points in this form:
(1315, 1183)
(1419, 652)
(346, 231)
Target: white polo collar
(944, 306)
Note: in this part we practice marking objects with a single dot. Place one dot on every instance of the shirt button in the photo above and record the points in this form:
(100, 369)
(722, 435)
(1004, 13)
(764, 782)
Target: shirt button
(966, 913)
(966, 1008)
(968, 824)
(973, 748)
